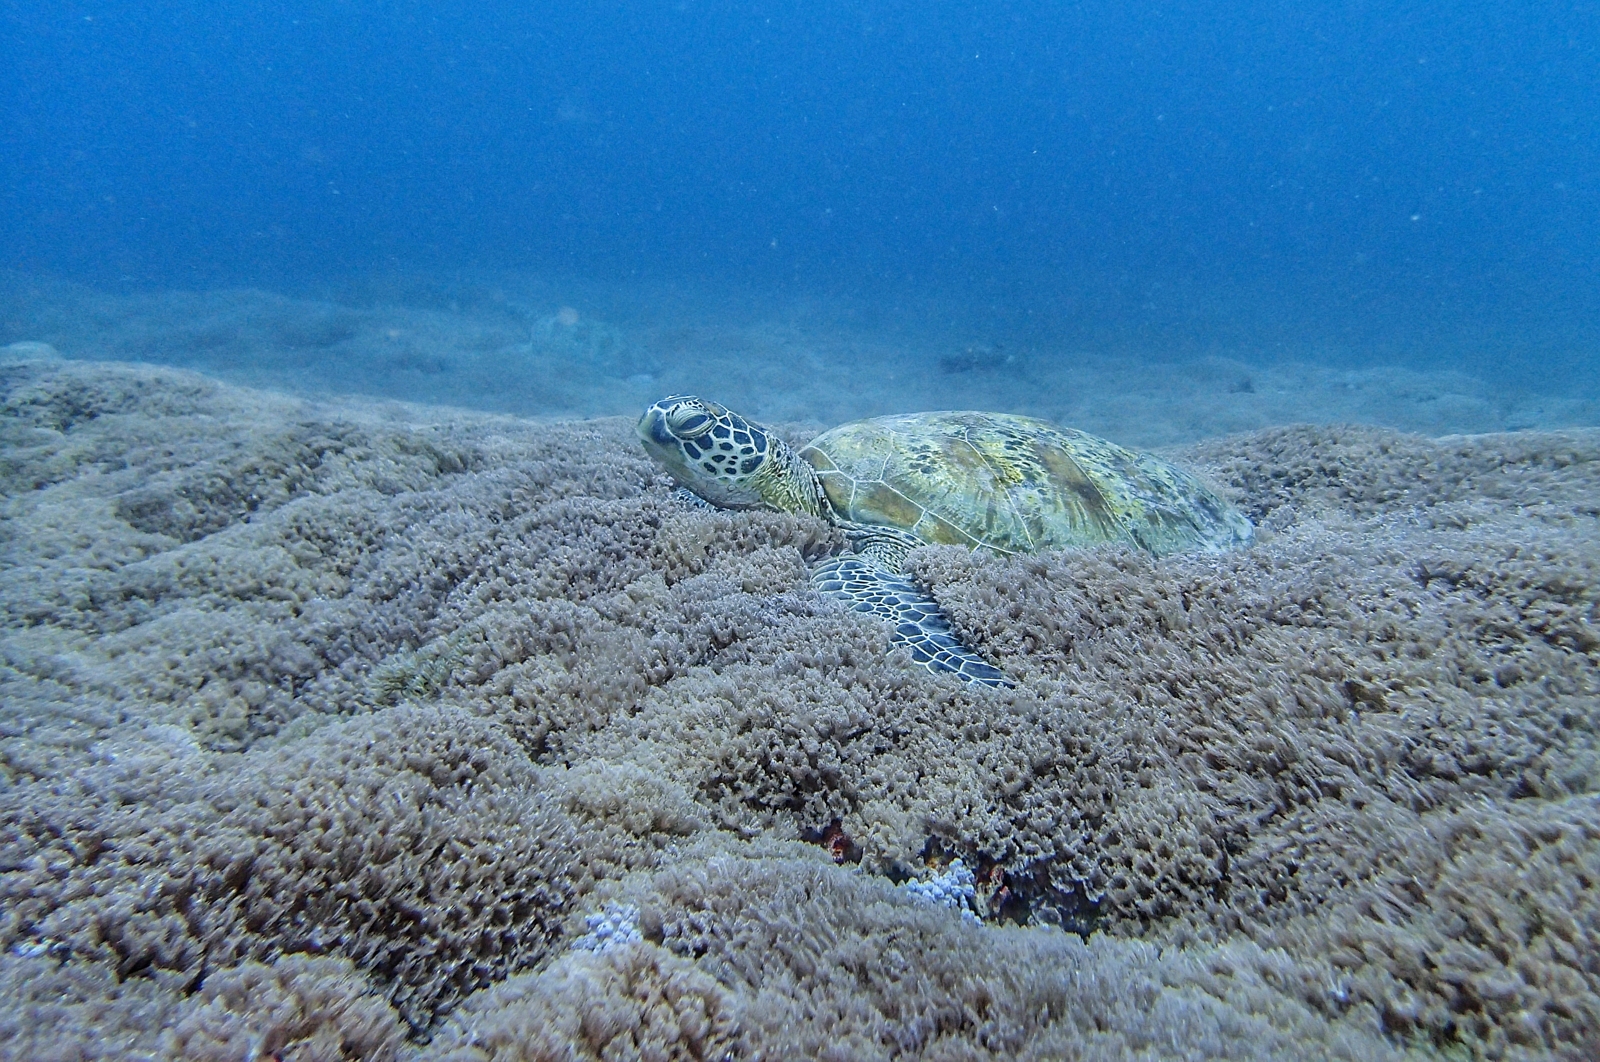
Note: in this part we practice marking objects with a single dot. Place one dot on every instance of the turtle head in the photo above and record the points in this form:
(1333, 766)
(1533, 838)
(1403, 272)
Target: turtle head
(716, 453)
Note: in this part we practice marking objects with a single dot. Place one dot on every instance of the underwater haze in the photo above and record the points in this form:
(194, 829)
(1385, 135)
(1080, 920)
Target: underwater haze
(1335, 183)
(368, 691)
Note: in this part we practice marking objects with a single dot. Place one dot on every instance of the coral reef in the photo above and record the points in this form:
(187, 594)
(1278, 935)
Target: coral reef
(614, 927)
(326, 730)
(955, 888)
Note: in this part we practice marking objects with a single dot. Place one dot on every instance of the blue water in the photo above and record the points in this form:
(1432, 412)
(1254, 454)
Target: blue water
(1406, 182)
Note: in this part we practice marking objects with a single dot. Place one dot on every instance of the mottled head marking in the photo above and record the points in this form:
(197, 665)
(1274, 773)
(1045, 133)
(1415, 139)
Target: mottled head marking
(711, 450)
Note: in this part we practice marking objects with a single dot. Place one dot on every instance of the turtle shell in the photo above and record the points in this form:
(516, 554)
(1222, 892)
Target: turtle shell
(1016, 485)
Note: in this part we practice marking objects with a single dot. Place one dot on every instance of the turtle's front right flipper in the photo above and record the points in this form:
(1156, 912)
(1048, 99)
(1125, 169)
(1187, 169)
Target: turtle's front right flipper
(918, 623)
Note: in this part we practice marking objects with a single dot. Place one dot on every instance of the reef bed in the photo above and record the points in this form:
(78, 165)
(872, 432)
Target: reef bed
(363, 730)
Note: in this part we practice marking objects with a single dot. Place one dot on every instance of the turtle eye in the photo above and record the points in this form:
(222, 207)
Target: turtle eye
(688, 422)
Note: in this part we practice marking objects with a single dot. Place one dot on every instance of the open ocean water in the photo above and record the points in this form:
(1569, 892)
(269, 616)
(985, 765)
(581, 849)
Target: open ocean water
(843, 207)
(364, 692)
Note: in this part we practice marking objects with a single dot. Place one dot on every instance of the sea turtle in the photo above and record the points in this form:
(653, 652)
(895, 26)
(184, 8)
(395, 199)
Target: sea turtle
(993, 481)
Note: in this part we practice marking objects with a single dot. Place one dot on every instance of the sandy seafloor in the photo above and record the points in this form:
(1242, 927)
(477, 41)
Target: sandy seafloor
(349, 727)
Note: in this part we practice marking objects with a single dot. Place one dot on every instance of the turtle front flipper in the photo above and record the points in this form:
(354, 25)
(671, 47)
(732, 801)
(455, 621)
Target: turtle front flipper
(887, 547)
(685, 496)
(918, 623)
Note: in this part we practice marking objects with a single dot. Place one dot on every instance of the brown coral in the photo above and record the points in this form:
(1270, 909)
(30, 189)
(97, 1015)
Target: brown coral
(1344, 780)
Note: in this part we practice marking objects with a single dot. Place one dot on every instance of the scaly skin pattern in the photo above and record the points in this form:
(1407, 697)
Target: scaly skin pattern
(724, 460)
(786, 483)
(729, 461)
(985, 480)
(919, 625)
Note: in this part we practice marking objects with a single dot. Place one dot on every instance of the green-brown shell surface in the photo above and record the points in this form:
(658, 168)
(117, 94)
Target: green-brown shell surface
(1016, 485)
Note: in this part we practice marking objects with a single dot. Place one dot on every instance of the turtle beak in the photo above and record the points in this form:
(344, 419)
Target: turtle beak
(653, 431)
